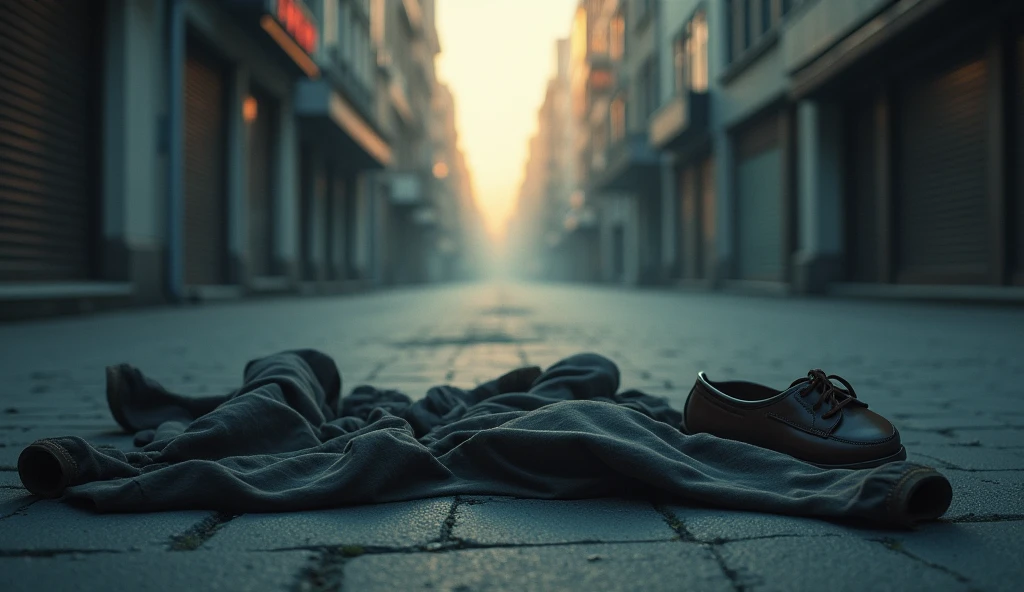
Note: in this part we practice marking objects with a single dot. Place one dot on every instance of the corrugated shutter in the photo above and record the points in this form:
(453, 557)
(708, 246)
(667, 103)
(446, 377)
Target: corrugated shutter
(944, 212)
(48, 82)
(1019, 231)
(759, 207)
(861, 198)
(205, 188)
(707, 215)
(314, 207)
(690, 223)
(261, 179)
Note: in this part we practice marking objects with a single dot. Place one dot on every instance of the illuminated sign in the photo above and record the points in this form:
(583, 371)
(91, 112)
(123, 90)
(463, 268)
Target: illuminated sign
(295, 19)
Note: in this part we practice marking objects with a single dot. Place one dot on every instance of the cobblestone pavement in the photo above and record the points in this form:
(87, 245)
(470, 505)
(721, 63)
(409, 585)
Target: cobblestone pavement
(950, 377)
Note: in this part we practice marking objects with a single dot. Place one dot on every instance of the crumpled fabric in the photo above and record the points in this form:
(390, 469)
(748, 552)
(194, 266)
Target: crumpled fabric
(287, 440)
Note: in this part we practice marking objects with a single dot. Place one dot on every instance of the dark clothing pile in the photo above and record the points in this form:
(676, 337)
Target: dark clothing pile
(287, 440)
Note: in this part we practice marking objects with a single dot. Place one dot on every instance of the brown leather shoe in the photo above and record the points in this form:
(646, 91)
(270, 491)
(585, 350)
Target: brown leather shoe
(813, 420)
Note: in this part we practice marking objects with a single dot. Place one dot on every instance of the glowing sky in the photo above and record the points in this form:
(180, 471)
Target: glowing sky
(497, 56)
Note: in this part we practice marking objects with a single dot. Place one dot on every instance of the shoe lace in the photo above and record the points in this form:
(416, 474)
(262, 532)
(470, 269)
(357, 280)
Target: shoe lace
(837, 397)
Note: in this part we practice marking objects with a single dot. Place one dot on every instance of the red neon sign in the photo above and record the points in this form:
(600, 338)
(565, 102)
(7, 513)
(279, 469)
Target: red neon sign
(294, 20)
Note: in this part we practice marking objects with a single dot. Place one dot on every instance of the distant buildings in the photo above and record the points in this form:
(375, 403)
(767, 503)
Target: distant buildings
(867, 147)
(195, 149)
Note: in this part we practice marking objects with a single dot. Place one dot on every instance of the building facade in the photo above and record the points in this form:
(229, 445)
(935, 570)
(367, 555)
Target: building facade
(867, 147)
(192, 149)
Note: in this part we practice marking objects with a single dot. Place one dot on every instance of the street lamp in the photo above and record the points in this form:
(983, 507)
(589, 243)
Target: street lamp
(440, 170)
(249, 109)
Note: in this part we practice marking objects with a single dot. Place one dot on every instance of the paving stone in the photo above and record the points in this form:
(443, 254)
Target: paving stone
(972, 457)
(793, 564)
(520, 521)
(984, 493)
(621, 566)
(53, 525)
(714, 525)
(992, 438)
(988, 554)
(12, 499)
(929, 367)
(402, 524)
(953, 422)
(914, 438)
(156, 572)
(9, 478)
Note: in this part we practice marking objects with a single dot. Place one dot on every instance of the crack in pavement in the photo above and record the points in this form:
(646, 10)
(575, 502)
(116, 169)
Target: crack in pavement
(328, 571)
(983, 518)
(953, 467)
(352, 551)
(199, 533)
(50, 553)
(723, 541)
(686, 536)
(20, 511)
(896, 546)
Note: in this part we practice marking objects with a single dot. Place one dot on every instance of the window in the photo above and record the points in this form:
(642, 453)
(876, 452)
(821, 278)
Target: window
(698, 52)
(752, 20)
(597, 157)
(618, 35)
(617, 116)
(647, 89)
(330, 20)
(767, 17)
(739, 39)
(644, 12)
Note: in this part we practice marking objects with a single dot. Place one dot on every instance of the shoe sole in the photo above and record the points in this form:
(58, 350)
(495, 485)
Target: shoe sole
(114, 399)
(900, 454)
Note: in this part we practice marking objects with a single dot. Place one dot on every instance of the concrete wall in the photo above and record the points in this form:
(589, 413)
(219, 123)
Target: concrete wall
(134, 178)
(817, 25)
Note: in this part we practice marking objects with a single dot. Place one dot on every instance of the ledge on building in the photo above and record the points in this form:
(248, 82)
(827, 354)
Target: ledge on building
(937, 293)
(757, 287)
(271, 285)
(751, 55)
(681, 120)
(334, 287)
(692, 284)
(214, 293)
(20, 301)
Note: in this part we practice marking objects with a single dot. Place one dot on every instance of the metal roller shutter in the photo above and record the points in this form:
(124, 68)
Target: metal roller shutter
(862, 200)
(205, 187)
(1019, 230)
(944, 212)
(759, 204)
(261, 179)
(690, 223)
(48, 83)
(314, 214)
(707, 215)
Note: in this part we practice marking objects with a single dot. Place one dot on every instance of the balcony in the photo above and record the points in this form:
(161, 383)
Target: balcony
(680, 122)
(631, 164)
(328, 115)
(400, 97)
(413, 15)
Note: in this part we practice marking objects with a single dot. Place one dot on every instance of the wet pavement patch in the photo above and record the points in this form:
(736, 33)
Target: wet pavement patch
(466, 340)
(507, 311)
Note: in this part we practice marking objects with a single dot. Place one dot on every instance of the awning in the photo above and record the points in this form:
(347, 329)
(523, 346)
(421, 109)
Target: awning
(316, 100)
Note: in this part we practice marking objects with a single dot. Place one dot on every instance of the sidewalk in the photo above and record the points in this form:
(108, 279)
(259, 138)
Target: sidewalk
(950, 378)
